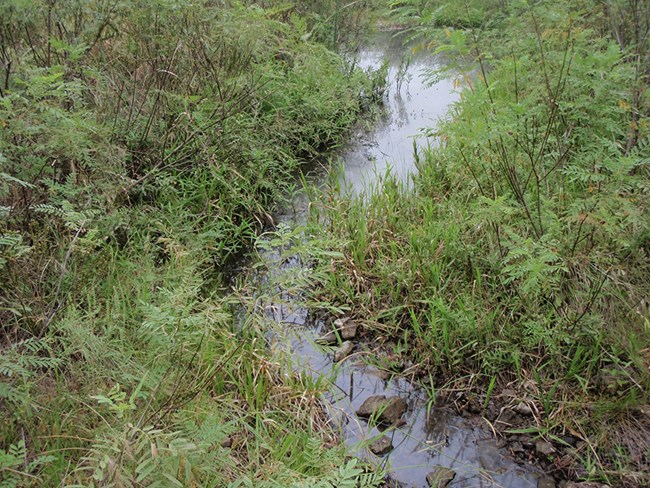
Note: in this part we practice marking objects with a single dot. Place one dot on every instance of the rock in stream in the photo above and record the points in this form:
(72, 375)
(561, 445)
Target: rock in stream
(345, 327)
(381, 446)
(440, 477)
(387, 410)
(343, 351)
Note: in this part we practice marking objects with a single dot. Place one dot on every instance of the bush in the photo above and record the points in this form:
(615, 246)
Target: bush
(144, 144)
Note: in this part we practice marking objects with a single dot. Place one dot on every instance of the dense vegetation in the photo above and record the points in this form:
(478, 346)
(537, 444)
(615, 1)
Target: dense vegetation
(142, 144)
(520, 257)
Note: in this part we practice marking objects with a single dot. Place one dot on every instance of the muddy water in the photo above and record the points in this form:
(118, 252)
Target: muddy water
(432, 435)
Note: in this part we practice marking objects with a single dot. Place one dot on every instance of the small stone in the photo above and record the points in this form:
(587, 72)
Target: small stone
(544, 449)
(516, 447)
(474, 407)
(506, 416)
(523, 409)
(381, 446)
(327, 339)
(226, 443)
(385, 410)
(346, 327)
(440, 477)
(546, 482)
(343, 351)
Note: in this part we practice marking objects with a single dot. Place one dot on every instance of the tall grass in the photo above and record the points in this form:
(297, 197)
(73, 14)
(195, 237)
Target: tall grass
(142, 145)
(522, 251)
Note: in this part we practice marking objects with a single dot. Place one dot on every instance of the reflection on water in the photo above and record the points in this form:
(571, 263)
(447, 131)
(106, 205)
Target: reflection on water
(412, 105)
(431, 435)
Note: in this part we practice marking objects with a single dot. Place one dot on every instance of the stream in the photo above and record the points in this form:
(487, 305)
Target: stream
(431, 434)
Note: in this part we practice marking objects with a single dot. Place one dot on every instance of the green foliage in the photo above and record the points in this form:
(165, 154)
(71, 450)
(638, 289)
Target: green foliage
(336, 23)
(523, 247)
(20, 365)
(534, 194)
(142, 145)
(15, 468)
(154, 457)
(425, 14)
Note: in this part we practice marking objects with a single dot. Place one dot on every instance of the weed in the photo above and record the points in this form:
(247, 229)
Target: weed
(142, 145)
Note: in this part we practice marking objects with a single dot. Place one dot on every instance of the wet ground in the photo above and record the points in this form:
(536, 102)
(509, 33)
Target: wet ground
(430, 434)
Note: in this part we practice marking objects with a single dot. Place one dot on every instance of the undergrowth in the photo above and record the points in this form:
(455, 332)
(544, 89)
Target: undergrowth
(143, 145)
(520, 255)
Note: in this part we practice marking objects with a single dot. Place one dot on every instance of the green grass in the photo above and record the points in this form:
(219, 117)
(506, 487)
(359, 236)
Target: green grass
(521, 252)
(142, 146)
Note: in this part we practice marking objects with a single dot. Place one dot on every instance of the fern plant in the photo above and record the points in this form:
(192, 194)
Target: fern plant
(21, 363)
(142, 456)
(16, 469)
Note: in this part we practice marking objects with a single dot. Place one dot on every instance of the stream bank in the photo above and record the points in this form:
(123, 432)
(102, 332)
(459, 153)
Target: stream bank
(513, 271)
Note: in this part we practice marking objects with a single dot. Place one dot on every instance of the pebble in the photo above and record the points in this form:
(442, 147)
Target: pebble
(381, 446)
(346, 327)
(544, 449)
(440, 477)
(523, 409)
(343, 351)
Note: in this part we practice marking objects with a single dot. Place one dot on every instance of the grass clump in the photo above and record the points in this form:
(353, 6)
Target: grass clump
(142, 145)
(521, 253)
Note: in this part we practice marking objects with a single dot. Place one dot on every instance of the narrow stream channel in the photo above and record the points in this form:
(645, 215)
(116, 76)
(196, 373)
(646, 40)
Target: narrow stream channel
(431, 435)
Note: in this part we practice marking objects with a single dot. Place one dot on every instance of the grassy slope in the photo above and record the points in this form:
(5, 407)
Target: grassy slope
(141, 146)
(522, 253)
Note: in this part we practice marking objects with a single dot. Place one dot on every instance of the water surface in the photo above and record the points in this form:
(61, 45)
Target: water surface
(413, 104)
